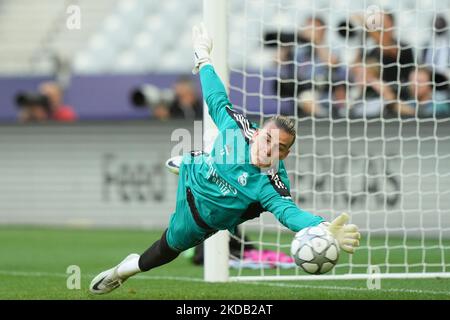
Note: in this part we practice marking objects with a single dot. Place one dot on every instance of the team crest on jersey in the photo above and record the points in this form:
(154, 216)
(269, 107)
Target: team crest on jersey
(243, 179)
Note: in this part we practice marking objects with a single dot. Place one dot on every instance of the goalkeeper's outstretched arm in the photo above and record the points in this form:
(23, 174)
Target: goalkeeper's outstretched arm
(213, 89)
(287, 212)
(279, 202)
(295, 219)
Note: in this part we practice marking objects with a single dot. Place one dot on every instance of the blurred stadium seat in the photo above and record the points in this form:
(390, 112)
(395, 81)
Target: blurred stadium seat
(128, 36)
(140, 37)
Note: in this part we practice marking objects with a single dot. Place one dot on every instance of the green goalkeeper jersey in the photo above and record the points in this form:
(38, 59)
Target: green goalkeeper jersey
(227, 188)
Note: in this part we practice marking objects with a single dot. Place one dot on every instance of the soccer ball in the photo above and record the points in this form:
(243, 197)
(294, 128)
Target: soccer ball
(315, 250)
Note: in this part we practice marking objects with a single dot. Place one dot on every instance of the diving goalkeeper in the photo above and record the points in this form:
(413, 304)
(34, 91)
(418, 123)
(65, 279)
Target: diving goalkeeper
(237, 181)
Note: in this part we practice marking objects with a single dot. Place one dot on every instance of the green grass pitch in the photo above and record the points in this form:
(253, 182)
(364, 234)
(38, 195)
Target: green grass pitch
(33, 264)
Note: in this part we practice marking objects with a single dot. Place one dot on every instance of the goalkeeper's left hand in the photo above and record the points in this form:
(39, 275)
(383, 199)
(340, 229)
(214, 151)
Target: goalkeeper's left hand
(347, 235)
(202, 47)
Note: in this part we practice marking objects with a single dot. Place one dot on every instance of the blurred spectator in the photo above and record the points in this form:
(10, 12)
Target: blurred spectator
(310, 72)
(396, 58)
(376, 98)
(436, 53)
(369, 100)
(33, 108)
(182, 101)
(187, 103)
(421, 98)
(161, 111)
(59, 111)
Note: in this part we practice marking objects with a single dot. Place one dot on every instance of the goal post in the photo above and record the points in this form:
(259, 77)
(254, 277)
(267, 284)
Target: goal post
(215, 20)
(389, 172)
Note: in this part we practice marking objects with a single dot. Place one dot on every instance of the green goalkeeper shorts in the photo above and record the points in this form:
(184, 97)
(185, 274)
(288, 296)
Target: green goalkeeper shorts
(186, 228)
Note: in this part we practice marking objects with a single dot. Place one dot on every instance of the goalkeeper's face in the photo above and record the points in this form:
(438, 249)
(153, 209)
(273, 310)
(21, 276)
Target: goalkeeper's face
(270, 144)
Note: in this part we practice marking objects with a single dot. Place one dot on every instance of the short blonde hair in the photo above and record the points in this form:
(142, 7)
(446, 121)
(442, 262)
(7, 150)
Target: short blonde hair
(285, 123)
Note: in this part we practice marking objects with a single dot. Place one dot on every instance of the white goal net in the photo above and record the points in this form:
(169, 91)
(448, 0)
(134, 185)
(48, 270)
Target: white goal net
(367, 84)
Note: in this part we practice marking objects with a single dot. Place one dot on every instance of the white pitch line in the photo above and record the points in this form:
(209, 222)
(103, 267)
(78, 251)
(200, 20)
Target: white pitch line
(392, 290)
(65, 275)
(271, 284)
(32, 274)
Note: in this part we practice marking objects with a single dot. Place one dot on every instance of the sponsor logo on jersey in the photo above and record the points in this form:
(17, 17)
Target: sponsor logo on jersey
(224, 187)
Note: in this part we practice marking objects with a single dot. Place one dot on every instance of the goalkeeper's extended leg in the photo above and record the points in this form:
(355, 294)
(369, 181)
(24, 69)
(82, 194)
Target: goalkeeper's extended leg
(186, 230)
(158, 254)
